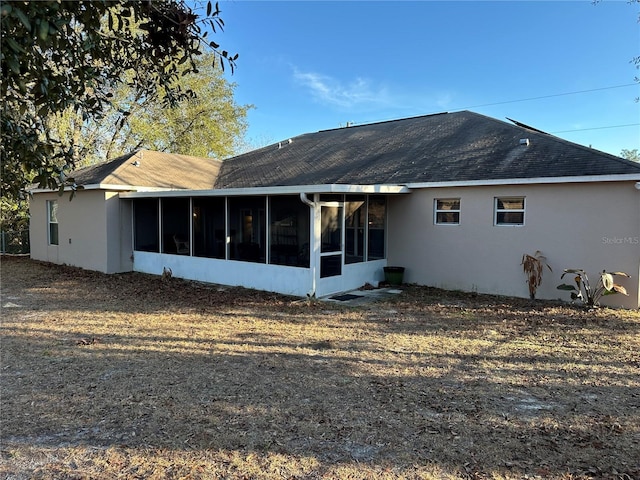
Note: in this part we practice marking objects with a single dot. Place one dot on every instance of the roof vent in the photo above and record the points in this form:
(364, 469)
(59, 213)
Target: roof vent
(524, 141)
(135, 163)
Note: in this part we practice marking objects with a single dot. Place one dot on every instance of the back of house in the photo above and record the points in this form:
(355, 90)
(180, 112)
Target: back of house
(456, 199)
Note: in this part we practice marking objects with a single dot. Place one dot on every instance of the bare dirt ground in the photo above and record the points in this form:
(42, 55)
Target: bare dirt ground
(130, 377)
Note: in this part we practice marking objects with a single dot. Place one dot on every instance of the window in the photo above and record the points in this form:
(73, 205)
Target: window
(247, 229)
(331, 228)
(447, 211)
(52, 221)
(146, 224)
(509, 211)
(208, 227)
(376, 217)
(331, 219)
(175, 226)
(355, 211)
(289, 231)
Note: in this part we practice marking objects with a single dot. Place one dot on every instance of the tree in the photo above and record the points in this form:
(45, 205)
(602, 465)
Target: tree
(14, 214)
(68, 57)
(632, 155)
(209, 124)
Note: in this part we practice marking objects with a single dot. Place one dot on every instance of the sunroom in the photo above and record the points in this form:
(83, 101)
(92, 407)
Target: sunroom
(301, 241)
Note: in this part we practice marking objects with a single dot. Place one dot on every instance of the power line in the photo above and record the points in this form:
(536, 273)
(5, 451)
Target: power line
(597, 128)
(548, 96)
(536, 98)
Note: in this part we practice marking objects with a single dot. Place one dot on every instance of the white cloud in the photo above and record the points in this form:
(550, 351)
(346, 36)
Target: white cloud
(364, 97)
(357, 93)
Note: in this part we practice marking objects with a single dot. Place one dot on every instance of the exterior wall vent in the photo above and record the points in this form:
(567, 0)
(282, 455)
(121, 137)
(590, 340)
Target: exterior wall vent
(524, 141)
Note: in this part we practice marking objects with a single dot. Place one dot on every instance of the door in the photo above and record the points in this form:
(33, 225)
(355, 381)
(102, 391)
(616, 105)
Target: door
(331, 247)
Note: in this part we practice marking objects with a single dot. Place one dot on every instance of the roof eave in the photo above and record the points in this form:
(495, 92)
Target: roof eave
(278, 190)
(105, 186)
(630, 177)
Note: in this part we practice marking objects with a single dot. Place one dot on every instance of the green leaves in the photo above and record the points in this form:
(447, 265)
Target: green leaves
(582, 290)
(43, 29)
(23, 18)
(15, 46)
(60, 56)
(207, 123)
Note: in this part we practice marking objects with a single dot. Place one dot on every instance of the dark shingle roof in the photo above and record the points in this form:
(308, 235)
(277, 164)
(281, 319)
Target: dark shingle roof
(147, 168)
(462, 146)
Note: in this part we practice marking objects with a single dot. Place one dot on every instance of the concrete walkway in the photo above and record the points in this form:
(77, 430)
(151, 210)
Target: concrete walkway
(361, 297)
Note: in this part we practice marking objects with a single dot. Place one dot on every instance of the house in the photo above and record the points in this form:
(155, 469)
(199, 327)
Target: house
(454, 198)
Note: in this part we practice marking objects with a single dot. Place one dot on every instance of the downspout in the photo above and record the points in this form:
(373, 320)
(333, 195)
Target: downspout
(304, 199)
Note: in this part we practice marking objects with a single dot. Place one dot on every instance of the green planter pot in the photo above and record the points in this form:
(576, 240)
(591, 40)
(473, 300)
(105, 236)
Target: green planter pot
(393, 275)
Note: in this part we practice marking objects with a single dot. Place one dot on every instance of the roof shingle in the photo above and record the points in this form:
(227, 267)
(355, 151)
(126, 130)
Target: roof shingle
(147, 168)
(462, 146)
(447, 147)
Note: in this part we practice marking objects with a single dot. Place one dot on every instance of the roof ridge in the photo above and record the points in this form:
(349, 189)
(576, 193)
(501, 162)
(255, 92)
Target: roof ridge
(380, 122)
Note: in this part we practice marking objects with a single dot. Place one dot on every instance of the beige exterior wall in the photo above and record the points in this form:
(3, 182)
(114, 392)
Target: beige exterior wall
(121, 226)
(593, 226)
(38, 228)
(89, 231)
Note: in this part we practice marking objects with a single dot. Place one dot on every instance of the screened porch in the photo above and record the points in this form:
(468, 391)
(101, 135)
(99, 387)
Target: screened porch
(339, 236)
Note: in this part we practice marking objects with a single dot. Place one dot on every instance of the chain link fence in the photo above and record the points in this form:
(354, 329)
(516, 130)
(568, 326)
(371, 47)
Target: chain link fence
(15, 242)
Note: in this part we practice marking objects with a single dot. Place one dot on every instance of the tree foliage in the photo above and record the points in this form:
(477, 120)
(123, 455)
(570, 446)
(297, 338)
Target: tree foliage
(68, 56)
(14, 214)
(632, 155)
(208, 124)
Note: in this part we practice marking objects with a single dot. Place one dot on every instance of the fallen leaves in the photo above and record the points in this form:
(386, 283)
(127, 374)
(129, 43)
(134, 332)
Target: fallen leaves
(127, 376)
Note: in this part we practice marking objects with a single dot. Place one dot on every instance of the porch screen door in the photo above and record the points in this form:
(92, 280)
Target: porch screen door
(331, 245)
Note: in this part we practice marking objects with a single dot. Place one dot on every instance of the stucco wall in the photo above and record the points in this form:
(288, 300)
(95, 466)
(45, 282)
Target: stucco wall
(593, 226)
(119, 233)
(275, 278)
(89, 231)
(38, 228)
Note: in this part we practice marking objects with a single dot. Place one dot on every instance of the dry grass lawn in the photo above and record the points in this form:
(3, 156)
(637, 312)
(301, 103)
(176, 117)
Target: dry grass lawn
(129, 377)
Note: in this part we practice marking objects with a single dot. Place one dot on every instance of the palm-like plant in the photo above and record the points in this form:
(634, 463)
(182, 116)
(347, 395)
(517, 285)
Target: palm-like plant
(591, 296)
(533, 266)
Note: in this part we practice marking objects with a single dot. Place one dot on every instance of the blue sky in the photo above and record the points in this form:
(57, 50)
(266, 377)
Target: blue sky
(309, 66)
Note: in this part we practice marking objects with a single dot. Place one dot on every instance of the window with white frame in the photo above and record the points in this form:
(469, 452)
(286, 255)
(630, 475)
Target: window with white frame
(446, 211)
(52, 221)
(508, 211)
